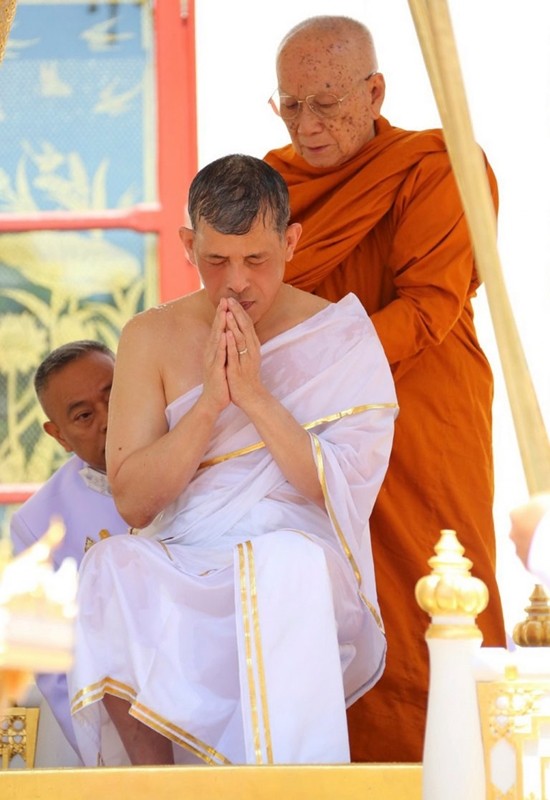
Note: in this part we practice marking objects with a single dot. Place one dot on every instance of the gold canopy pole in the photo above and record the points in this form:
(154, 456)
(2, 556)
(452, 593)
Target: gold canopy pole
(7, 13)
(435, 33)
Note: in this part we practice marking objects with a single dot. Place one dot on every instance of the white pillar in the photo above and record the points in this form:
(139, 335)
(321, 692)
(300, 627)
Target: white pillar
(453, 766)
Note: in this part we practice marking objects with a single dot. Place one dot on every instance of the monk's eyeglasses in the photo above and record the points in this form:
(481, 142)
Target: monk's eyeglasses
(324, 104)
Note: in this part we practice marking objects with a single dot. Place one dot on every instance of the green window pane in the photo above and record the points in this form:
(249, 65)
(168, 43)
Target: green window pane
(57, 286)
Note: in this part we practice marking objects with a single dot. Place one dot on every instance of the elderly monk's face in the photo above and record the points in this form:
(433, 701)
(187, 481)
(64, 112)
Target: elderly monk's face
(311, 64)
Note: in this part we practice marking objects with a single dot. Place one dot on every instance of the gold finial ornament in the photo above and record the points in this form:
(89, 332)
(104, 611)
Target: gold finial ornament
(7, 13)
(450, 589)
(534, 631)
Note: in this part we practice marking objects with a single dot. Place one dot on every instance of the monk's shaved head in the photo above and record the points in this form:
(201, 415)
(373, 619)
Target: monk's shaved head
(336, 33)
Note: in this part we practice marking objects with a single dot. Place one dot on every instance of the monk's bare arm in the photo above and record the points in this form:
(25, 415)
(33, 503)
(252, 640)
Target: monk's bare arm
(148, 465)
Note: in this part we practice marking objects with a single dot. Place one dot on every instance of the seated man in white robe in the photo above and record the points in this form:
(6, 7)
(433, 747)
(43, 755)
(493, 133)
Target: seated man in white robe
(250, 428)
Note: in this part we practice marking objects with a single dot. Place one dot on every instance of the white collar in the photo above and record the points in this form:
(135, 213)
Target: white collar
(95, 480)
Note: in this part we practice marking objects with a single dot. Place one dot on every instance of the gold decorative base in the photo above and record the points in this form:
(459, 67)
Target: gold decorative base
(515, 724)
(355, 782)
(18, 732)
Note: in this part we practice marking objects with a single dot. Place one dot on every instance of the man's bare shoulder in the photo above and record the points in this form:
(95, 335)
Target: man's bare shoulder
(305, 304)
(291, 307)
(163, 345)
(160, 321)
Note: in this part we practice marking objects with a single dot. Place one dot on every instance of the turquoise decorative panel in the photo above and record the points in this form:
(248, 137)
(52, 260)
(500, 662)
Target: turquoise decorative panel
(77, 121)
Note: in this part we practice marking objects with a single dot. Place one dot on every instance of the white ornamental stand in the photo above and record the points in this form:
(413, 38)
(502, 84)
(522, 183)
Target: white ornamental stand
(453, 767)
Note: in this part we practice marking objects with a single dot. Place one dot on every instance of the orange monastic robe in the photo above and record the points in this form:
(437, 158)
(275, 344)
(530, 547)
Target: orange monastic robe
(389, 226)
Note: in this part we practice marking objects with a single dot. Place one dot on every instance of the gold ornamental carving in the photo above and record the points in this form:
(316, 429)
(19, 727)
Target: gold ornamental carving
(18, 734)
(534, 631)
(450, 589)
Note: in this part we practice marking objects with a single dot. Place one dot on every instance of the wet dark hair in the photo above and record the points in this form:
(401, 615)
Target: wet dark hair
(63, 355)
(231, 193)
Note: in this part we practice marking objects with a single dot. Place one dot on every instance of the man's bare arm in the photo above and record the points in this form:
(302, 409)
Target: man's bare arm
(149, 465)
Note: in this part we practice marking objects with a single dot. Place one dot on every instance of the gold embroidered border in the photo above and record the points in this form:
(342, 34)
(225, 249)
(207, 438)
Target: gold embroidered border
(248, 654)
(373, 611)
(243, 451)
(259, 653)
(337, 527)
(252, 640)
(165, 548)
(80, 701)
(91, 694)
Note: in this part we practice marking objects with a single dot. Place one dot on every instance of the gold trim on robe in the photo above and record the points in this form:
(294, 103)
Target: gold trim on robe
(251, 448)
(338, 528)
(254, 654)
(95, 692)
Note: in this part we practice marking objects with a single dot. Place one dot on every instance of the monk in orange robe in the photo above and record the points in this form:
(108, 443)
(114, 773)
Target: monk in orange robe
(382, 218)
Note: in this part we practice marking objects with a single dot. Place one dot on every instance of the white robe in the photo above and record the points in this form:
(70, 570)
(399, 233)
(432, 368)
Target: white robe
(244, 618)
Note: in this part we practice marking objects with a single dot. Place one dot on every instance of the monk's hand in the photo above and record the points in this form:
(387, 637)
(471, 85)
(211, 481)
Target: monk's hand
(243, 356)
(215, 386)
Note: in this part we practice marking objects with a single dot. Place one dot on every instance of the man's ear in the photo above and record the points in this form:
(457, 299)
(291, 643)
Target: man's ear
(52, 430)
(293, 233)
(187, 236)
